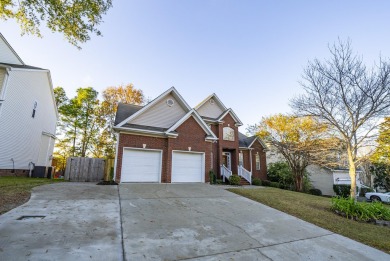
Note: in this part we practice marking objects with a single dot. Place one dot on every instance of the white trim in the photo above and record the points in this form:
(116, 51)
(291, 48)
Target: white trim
(49, 134)
(238, 121)
(4, 87)
(198, 119)
(215, 97)
(191, 152)
(139, 130)
(142, 149)
(156, 100)
(250, 160)
(116, 154)
(12, 49)
(261, 143)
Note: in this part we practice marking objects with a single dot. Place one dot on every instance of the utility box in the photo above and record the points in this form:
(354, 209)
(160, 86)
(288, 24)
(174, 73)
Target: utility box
(39, 172)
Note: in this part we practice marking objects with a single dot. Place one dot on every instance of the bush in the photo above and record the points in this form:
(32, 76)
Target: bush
(342, 190)
(280, 172)
(256, 182)
(218, 181)
(275, 184)
(266, 183)
(315, 191)
(234, 180)
(212, 177)
(363, 191)
(360, 210)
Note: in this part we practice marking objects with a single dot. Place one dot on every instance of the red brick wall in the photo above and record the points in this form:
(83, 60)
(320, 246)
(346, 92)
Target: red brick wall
(17, 173)
(262, 173)
(137, 141)
(190, 135)
(231, 146)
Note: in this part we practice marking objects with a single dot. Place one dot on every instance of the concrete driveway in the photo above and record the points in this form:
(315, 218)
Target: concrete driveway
(203, 222)
(83, 221)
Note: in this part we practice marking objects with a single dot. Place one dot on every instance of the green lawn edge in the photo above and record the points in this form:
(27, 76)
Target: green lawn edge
(316, 210)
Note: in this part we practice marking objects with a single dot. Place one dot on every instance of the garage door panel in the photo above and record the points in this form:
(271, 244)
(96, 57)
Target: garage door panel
(141, 166)
(187, 167)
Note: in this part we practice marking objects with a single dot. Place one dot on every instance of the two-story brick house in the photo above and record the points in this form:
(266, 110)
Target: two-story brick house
(168, 141)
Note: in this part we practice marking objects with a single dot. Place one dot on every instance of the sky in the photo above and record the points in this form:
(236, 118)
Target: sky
(250, 53)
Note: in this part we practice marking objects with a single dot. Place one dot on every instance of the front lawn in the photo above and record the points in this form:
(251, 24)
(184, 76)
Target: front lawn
(316, 210)
(15, 191)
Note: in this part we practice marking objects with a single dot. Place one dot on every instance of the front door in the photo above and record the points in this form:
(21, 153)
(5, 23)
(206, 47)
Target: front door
(226, 160)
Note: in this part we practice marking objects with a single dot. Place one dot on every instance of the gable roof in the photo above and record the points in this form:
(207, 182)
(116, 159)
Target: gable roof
(234, 116)
(125, 110)
(247, 142)
(11, 50)
(171, 91)
(198, 119)
(212, 96)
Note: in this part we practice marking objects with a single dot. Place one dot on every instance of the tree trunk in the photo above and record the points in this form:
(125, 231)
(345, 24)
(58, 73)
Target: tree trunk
(298, 180)
(352, 173)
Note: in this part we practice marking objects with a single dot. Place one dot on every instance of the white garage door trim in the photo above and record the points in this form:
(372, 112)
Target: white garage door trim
(202, 166)
(140, 149)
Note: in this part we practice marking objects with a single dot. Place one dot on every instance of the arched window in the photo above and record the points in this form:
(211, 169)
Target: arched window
(228, 134)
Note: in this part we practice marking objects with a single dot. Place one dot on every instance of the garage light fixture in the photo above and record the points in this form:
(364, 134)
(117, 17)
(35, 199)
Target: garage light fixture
(144, 146)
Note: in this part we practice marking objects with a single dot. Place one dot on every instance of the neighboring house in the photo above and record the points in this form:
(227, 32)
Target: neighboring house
(321, 178)
(28, 114)
(167, 141)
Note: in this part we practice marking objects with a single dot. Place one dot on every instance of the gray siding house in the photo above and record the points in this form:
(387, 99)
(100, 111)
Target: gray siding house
(28, 114)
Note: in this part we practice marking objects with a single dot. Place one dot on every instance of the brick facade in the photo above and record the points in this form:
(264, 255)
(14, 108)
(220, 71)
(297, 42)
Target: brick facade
(15, 173)
(190, 135)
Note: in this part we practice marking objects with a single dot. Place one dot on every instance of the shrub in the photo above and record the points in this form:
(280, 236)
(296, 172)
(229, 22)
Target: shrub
(212, 177)
(256, 182)
(218, 181)
(363, 191)
(266, 183)
(342, 190)
(275, 184)
(315, 191)
(280, 172)
(234, 180)
(360, 210)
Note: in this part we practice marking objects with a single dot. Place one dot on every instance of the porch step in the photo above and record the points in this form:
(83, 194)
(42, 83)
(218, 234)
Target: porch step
(244, 182)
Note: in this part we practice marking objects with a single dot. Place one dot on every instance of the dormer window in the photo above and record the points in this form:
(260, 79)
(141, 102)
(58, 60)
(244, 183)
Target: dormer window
(228, 134)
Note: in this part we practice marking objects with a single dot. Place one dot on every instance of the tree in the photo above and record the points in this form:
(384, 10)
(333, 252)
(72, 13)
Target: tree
(111, 97)
(60, 96)
(347, 96)
(382, 152)
(301, 140)
(76, 19)
(381, 173)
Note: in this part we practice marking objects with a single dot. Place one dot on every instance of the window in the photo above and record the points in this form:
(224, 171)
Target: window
(257, 161)
(228, 134)
(240, 158)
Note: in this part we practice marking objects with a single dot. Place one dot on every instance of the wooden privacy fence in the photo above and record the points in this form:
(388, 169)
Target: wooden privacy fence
(86, 169)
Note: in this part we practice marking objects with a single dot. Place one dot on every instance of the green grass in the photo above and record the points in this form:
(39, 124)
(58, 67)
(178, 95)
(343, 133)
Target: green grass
(316, 210)
(15, 191)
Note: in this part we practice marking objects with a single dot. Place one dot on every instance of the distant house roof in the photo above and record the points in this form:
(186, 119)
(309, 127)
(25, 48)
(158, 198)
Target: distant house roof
(19, 66)
(124, 111)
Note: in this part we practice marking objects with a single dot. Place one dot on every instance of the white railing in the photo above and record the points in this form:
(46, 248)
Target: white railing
(225, 173)
(245, 174)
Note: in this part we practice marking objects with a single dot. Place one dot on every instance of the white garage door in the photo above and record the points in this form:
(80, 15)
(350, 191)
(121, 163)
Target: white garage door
(141, 165)
(187, 167)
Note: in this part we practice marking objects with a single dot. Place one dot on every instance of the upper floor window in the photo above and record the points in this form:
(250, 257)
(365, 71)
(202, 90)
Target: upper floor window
(257, 162)
(228, 134)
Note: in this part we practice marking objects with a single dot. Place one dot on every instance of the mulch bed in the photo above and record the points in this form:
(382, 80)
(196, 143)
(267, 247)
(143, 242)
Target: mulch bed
(111, 182)
(373, 221)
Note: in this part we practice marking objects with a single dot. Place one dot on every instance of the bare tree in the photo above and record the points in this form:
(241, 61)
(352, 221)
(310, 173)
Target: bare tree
(349, 97)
